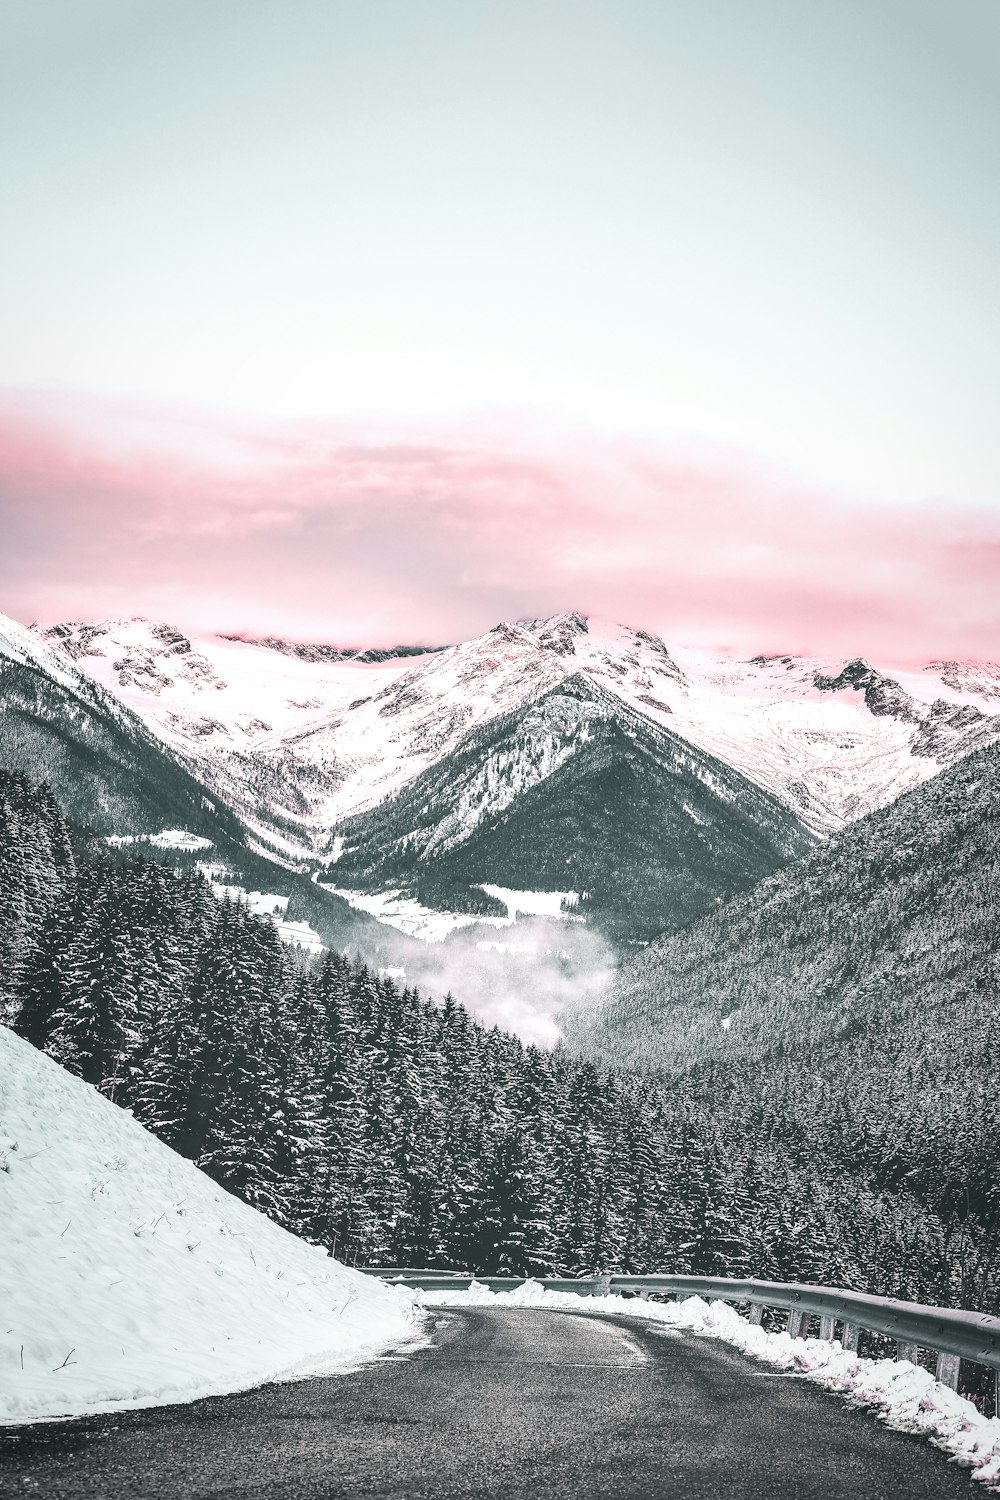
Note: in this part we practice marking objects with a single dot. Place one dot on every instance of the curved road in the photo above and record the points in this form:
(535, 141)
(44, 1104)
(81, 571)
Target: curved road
(507, 1403)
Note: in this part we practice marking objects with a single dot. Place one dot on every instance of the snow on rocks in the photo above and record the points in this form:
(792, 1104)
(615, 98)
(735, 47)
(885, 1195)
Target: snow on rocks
(905, 1396)
(128, 1278)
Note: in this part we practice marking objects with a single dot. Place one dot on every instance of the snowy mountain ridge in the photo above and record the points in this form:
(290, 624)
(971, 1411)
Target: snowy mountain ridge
(367, 655)
(324, 733)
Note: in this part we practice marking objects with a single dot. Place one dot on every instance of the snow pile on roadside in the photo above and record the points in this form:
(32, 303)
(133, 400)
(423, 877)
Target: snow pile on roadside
(128, 1278)
(904, 1395)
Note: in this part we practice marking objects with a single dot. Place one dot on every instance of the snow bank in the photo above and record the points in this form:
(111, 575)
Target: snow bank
(904, 1395)
(128, 1278)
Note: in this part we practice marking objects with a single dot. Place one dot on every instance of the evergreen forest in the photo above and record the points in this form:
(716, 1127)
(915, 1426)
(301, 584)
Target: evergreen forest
(394, 1129)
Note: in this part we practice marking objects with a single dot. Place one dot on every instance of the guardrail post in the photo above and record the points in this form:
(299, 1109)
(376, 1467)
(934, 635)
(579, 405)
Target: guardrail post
(908, 1351)
(796, 1318)
(826, 1326)
(602, 1286)
(850, 1337)
(756, 1312)
(948, 1366)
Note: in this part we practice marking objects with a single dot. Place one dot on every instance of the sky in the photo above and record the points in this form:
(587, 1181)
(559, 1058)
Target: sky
(385, 320)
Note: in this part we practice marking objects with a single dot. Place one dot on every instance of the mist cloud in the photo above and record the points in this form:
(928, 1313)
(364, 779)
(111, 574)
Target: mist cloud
(521, 978)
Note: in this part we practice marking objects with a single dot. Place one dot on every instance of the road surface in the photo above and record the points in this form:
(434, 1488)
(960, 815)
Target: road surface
(511, 1402)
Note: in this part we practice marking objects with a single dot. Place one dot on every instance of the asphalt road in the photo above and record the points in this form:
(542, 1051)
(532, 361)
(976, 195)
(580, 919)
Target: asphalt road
(507, 1403)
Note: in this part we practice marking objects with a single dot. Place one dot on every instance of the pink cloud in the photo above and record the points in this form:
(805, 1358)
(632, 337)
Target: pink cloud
(335, 534)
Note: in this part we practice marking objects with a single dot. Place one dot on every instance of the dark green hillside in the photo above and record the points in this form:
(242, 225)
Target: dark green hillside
(106, 770)
(653, 830)
(861, 992)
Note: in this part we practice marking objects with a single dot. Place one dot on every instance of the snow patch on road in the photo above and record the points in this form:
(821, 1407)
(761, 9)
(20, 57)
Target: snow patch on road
(131, 1279)
(905, 1396)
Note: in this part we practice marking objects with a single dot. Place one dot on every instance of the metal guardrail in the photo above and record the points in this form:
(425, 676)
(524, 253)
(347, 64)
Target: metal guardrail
(951, 1333)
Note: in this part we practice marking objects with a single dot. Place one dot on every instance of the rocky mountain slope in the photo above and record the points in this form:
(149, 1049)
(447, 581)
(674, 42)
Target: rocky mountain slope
(831, 739)
(885, 938)
(108, 770)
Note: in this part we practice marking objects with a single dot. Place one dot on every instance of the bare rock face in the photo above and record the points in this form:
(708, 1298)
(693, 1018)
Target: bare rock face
(980, 679)
(75, 639)
(944, 731)
(883, 695)
(144, 654)
(950, 730)
(560, 634)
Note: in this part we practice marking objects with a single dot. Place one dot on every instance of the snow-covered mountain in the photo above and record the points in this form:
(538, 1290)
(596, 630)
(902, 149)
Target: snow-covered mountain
(576, 792)
(116, 777)
(333, 732)
(416, 768)
(108, 769)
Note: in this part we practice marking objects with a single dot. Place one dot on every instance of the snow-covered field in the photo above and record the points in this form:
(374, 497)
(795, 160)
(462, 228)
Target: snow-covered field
(300, 935)
(535, 903)
(905, 1396)
(269, 904)
(406, 914)
(128, 1278)
(170, 838)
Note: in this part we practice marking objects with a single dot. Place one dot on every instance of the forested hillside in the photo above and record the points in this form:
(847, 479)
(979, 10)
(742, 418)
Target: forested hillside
(397, 1129)
(853, 997)
(576, 791)
(107, 769)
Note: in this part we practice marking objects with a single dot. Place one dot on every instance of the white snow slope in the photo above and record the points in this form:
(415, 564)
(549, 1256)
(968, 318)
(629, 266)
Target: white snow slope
(327, 739)
(128, 1278)
(905, 1396)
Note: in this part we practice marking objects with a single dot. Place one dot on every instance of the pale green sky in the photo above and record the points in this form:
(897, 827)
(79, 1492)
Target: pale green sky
(771, 224)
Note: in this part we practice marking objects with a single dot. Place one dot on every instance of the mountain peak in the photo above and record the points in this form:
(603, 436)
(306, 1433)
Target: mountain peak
(883, 695)
(557, 632)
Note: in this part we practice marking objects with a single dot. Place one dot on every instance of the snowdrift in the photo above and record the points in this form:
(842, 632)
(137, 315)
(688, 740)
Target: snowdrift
(128, 1278)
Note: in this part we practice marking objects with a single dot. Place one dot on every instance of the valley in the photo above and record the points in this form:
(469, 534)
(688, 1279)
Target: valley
(386, 799)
